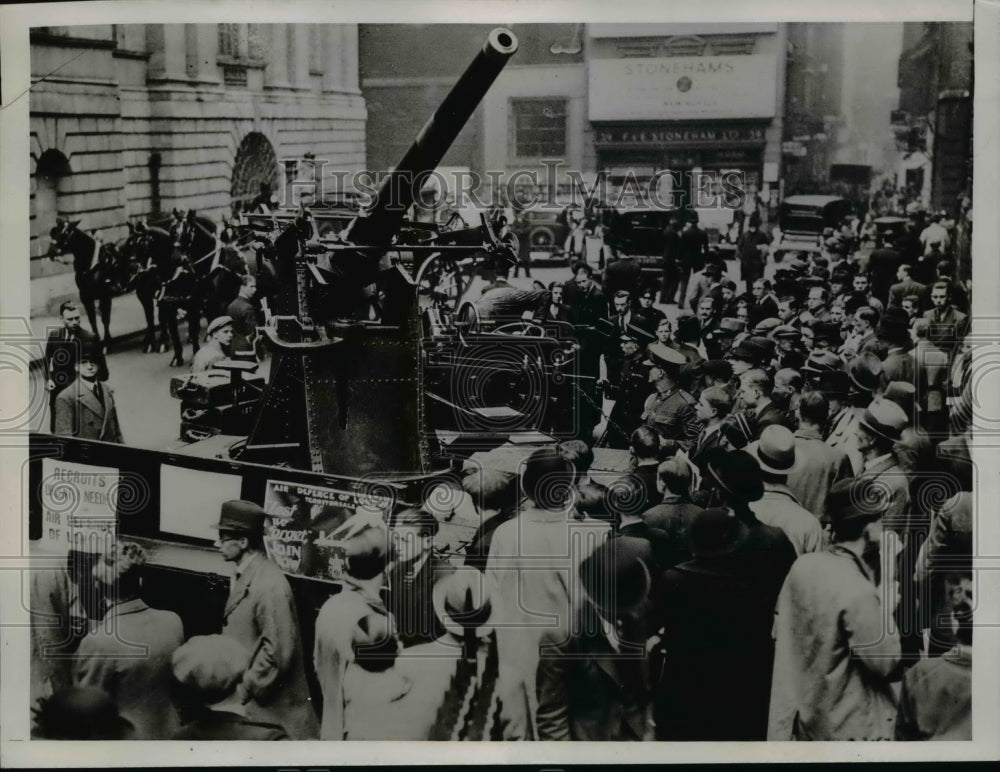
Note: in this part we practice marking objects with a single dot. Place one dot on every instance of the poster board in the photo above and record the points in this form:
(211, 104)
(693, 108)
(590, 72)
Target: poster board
(79, 506)
(302, 525)
(190, 500)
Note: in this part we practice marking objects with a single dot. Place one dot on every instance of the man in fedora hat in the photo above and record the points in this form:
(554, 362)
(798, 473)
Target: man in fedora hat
(260, 613)
(592, 685)
(879, 428)
(778, 507)
(670, 410)
(220, 336)
(844, 416)
(62, 351)
(86, 407)
(835, 656)
(894, 331)
(817, 465)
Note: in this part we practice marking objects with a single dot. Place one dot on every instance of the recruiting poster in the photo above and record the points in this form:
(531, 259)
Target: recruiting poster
(79, 504)
(304, 522)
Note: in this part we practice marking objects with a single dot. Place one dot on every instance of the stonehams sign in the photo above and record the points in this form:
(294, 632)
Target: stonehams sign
(683, 88)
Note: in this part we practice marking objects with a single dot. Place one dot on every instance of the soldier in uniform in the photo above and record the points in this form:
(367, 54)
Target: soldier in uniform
(670, 410)
(629, 387)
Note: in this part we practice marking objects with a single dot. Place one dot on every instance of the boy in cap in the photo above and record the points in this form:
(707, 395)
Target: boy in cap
(220, 335)
(261, 615)
(210, 669)
(86, 407)
(835, 656)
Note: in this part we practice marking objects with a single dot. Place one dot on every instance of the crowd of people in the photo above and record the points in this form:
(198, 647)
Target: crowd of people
(788, 556)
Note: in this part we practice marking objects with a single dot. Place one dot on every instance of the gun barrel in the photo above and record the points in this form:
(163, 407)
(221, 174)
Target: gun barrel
(381, 220)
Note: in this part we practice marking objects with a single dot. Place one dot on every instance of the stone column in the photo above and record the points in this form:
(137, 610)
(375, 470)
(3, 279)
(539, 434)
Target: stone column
(167, 47)
(202, 51)
(276, 73)
(333, 69)
(349, 58)
(298, 55)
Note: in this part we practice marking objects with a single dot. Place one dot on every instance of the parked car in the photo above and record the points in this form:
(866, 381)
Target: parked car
(544, 229)
(803, 218)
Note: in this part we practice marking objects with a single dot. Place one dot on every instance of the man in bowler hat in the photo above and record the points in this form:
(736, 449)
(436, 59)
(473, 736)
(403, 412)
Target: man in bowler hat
(260, 613)
(86, 407)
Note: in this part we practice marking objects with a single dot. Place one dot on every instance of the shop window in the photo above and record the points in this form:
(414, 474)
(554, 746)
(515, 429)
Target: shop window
(539, 128)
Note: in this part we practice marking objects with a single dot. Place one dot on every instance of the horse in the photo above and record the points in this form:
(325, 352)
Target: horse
(100, 274)
(157, 262)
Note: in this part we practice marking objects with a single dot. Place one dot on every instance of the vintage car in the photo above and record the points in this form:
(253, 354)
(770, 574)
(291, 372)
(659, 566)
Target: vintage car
(545, 229)
(804, 218)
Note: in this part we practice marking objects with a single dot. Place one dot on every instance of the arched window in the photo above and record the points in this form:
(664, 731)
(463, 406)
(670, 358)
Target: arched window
(50, 171)
(255, 163)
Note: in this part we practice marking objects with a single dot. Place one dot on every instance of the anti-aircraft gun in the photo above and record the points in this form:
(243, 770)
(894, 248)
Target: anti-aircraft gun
(346, 388)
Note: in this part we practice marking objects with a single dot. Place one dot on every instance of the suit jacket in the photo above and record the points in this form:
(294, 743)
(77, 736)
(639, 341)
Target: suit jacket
(930, 376)
(946, 328)
(588, 690)
(771, 414)
(907, 287)
(214, 725)
(78, 413)
(129, 659)
(261, 611)
(674, 516)
(935, 702)
(817, 467)
(706, 443)
(843, 435)
(332, 652)
(411, 601)
(779, 508)
(888, 474)
(898, 366)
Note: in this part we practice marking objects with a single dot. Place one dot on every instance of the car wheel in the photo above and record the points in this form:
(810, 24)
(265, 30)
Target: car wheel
(542, 238)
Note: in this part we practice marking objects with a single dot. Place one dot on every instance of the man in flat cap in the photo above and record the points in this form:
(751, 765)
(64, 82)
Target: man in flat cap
(835, 655)
(209, 670)
(220, 335)
(670, 410)
(260, 613)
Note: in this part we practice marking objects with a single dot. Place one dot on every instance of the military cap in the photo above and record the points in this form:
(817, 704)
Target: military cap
(241, 516)
(855, 497)
(885, 418)
(218, 323)
(786, 331)
(865, 371)
(663, 356)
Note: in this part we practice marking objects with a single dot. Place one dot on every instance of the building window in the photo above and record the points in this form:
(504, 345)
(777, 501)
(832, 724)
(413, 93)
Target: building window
(539, 127)
(229, 40)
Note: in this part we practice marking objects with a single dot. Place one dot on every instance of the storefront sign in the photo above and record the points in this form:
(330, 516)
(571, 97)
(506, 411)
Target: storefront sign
(302, 535)
(79, 504)
(682, 88)
(706, 135)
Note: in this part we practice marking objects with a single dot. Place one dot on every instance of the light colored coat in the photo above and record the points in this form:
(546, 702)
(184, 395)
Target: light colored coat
(535, 560)
(834, 655)
(817, 467)
(332, 651)
(57, 619)
(843, 435)
(128, 655)
(78, 413)
(260, 613)
(779, 508)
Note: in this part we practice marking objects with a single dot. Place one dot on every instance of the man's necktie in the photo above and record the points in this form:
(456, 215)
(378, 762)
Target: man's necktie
(99, 392)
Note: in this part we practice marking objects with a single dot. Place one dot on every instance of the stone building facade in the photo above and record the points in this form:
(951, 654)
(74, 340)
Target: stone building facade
(131, 121)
